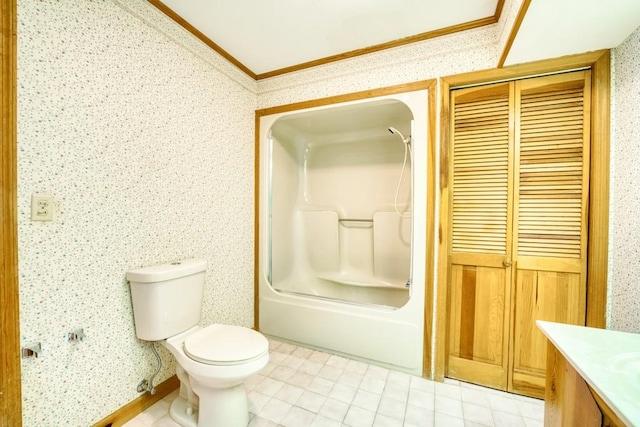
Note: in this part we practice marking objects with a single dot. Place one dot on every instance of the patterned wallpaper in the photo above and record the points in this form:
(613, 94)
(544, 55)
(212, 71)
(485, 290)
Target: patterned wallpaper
(624, 224)
(144, 137)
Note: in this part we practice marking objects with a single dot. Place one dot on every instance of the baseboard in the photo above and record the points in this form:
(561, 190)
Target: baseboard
(135, 407)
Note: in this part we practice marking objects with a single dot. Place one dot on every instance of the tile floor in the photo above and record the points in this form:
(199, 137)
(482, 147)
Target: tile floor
(302, 387)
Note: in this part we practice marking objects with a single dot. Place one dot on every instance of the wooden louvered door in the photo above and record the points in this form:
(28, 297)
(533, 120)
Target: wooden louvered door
(519, 186)
(480, 292)
(550, 216)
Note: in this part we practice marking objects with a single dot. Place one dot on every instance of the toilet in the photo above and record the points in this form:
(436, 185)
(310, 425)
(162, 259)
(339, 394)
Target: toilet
(213, 361)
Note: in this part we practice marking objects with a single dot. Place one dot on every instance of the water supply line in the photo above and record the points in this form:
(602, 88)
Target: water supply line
(145, 385)
(407, 150)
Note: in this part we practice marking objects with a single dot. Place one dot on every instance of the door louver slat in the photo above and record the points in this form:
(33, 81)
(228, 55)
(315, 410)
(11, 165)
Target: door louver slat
(480, 164)
(550, 182)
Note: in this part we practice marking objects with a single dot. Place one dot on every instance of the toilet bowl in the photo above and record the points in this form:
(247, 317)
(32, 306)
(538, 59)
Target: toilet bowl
(213, 361)
(217, 360)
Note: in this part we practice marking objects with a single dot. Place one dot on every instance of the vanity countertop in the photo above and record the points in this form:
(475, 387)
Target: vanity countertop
(609, 361)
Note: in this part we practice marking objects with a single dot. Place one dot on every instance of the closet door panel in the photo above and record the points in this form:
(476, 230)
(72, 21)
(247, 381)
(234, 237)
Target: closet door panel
(550, 217)
(477, 344)
(479, 290)
(539, 295)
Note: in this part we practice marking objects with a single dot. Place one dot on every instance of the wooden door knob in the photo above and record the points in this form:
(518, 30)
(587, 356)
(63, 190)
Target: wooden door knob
(506, 262)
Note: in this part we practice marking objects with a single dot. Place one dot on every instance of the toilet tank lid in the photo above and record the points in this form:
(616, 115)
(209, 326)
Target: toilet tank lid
(167, 271)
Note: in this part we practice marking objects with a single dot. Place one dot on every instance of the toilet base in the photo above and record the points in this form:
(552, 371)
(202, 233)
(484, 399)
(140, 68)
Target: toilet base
(222, 407)
(228, 408)
(178, 412)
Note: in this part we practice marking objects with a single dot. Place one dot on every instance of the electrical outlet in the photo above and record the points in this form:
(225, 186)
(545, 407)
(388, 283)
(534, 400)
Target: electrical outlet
(41, 207)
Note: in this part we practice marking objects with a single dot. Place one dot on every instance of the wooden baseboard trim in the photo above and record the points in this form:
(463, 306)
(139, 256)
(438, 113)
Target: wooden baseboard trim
(135, 407)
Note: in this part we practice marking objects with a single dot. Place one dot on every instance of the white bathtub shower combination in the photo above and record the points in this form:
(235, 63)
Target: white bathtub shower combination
(343, 228)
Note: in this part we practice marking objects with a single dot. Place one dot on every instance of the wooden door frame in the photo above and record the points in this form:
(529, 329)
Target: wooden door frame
(429, 291)
(599, 63)
(10, 382)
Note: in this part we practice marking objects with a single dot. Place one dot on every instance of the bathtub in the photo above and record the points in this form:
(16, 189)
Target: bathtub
(342, 228)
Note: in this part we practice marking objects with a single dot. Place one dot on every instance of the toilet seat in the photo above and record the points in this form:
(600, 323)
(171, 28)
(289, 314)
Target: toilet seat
(225, 345)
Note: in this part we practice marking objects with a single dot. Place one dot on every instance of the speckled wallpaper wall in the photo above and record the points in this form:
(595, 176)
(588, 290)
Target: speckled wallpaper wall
(144, 137)
(624, 217)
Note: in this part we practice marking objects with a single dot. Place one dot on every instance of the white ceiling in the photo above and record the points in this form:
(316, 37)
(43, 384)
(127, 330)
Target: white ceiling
(554, 28)
(269, 35)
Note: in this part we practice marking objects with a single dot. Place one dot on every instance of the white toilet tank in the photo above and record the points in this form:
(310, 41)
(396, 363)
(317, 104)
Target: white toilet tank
(167, 298)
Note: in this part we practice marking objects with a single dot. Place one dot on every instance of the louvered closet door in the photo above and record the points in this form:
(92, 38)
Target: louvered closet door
(479, 292)
(550, 207)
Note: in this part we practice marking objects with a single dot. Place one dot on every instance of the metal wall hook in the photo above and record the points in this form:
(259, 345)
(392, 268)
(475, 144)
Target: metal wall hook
(31, 350)
(76, 335)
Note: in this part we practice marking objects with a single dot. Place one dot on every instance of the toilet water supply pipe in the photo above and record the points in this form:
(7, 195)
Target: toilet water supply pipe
(148, 386)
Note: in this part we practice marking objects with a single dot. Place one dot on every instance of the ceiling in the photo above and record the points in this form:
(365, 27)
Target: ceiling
(272, 37)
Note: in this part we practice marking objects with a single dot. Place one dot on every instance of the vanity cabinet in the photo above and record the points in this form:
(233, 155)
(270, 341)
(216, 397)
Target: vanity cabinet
(569, 401)
(593, 376)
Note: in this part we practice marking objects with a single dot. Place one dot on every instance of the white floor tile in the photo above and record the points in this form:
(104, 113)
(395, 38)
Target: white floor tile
(477, 414)
(282, 373)
(423, 384)
(253, 382)
(367, 400)
(289, 393)
(293, 362)
(310, 367)
(399, 378)
(396, 391)
(153, 413)
(372, 384)
(286, 348)
(377, 371)
(269, 386)
(275, 410)
(330, 372)
(311, 401)
(298, 417)
(419, 416)
(334, 409)
(257, 401)
(359, 417)
(448, 406)
(449, 390)
(386, 421)
(320, 421)
(421, 399)
(531, 409)
(302, 353)
(165, 421)
(356, 367)
(392, 408)
(530, 422)
(276, 357)
(319, 357)
(261, 422)
(343, 393)
(135, 422)
(337, 362)
(301, 387)
(475, 396)
(503, 404)
(351, 379)
(300, 379)
(444, 420)
(504, 419)
(321, 386)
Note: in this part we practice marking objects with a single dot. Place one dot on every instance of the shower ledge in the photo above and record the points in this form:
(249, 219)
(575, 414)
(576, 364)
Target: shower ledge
(361, 281)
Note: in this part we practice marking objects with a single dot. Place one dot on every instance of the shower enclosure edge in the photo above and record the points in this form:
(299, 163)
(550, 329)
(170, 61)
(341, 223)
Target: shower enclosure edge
(392, 337)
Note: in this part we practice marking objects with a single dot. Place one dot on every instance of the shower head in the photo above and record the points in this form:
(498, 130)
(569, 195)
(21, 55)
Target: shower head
(397, 132)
